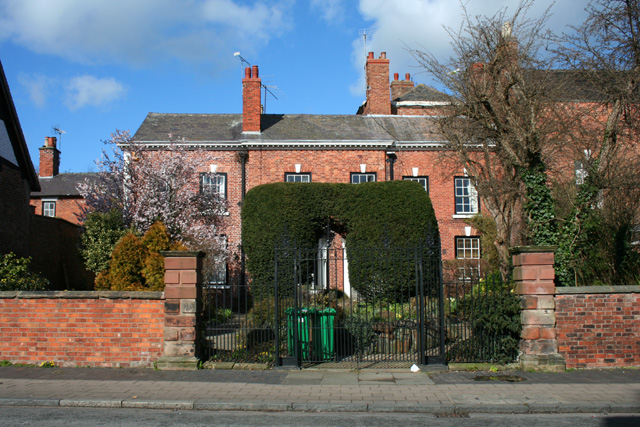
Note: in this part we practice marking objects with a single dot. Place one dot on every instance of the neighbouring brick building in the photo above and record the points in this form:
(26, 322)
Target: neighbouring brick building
(393, 137)
(50, 242)
(58, 196)
(17, 177)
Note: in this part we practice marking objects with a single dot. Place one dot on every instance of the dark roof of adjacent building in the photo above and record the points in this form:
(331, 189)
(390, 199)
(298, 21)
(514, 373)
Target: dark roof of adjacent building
(9, 116)
(63, 185)
(227, 128)
(571, 86)
(423, 93)
(566, 85)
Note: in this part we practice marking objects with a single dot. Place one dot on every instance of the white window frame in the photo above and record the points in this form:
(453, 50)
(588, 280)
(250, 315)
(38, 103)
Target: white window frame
(468, 196)
(214, 183)
(48, 210)
(468, 254)
(297, 177)
(423, 180)
(368, 177)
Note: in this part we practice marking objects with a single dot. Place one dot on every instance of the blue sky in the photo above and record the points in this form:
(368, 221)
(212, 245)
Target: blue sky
(89, 67)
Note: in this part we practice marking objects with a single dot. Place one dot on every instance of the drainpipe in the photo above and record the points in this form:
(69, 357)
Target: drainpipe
(243, 156)
(391, 159)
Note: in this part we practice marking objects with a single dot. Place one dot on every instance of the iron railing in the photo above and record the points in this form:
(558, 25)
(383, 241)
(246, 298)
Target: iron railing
(365, 307)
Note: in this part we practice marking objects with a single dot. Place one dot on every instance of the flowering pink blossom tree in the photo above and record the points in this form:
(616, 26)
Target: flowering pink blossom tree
(159, 184)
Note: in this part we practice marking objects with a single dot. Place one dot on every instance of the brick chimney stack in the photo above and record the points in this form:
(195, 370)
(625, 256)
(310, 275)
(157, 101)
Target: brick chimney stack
(251, 102)
(378, 92)
(400, 87)
(49, 158)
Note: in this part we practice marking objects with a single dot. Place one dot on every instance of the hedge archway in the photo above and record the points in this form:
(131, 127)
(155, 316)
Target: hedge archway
(391, 213)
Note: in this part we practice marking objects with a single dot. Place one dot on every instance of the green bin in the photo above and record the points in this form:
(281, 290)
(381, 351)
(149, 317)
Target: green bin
(323, 342)
(304, 324)
(315, 332)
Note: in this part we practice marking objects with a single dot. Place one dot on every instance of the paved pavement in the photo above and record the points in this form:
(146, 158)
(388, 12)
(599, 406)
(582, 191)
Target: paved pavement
(428, 391)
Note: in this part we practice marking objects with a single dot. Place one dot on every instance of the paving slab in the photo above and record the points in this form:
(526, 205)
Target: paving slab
(597, 391)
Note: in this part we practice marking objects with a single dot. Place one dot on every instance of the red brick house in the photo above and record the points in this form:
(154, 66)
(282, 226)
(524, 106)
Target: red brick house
(389, 139)
(17, 177)
(58, 196)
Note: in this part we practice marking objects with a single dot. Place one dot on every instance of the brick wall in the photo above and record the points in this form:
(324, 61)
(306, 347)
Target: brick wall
(53, 246)
(335, 166)
(67, 208)
(97, 329)
(14, 210)
(598, 326)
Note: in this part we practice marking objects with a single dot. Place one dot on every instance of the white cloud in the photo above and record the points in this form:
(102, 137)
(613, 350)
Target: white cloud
(140, 32)
(88, 90)
(332, 10)
(38, 87)
(419, 24)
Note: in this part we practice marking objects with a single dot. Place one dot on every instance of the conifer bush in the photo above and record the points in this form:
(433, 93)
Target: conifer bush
(136, 263)
(156, 239)
(127, 263)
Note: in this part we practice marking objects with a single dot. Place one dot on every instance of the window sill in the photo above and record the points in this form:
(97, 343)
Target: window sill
(463, 216)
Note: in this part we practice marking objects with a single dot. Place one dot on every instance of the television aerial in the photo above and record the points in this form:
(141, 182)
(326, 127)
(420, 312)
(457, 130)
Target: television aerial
(265, 87)
(59, 132)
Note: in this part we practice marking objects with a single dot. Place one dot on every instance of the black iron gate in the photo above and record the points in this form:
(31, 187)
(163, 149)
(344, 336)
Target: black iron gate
(360, 307)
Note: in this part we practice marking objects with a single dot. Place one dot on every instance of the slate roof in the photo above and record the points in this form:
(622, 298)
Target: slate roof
(572, 86)
(423, 93)
(9, 116)
(62, 185)
(277, 128)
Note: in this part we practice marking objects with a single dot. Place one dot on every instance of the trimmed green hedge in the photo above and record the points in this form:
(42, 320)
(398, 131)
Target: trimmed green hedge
(392, 214)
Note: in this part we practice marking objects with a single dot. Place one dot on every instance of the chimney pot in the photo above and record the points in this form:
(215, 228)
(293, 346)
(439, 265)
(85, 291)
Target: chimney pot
(247, 73)
(255, 71)
(396, 76)
(383, 55)
(370, 55)
(407, 77)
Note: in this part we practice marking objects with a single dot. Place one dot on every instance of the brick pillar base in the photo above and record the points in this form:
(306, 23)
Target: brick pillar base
(183, 298)
(533, 274)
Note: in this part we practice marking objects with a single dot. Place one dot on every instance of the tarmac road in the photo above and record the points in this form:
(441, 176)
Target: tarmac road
(82, 417)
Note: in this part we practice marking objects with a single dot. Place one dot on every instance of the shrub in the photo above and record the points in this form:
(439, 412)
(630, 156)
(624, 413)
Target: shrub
(494, 313)
(263, 312)
(101, 232)
(16, 276)
(136, 264)
(156, 239)
(127, 263)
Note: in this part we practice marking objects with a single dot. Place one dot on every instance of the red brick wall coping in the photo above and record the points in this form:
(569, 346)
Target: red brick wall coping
(82, 295)
(571, 290)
